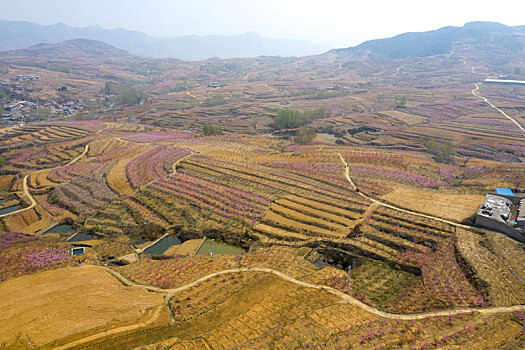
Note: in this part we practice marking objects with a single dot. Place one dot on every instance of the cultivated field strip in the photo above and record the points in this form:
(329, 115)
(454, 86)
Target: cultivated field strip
(311, 210)
(498, 262)
(112, 219)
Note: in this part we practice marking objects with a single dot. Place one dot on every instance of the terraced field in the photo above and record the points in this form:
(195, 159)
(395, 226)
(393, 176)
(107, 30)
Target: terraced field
(333, 257)
(498, 263)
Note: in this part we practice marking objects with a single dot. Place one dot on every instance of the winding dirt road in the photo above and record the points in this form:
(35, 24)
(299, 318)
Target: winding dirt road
(455, 224)
(349, 179)
(174, 165)
(345, 298)
(86, 149)
(26, 189)
(496, 108)
(28, 195)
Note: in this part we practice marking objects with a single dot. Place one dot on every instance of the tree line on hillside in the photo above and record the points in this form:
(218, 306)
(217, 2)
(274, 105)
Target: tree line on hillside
(442, 151)
(292, 118)
(211, 130)
(124, 95)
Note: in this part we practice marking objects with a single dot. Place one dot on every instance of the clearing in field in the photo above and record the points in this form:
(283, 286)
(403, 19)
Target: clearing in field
(69, 301)
(457, 207)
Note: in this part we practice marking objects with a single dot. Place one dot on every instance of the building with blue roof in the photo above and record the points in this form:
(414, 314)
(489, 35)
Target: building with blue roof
(504, 191)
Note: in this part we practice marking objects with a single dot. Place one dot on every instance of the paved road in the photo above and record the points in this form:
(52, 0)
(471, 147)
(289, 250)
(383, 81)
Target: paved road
(496, 108)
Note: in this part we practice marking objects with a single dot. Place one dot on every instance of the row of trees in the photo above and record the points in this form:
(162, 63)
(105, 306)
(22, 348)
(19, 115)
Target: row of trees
(126, 95)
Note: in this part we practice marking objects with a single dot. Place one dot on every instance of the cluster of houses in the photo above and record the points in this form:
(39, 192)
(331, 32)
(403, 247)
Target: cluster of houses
(16, 112)
(26, 77)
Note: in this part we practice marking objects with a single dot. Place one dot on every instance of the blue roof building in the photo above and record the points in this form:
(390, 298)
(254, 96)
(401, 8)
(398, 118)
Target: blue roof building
(504, 191)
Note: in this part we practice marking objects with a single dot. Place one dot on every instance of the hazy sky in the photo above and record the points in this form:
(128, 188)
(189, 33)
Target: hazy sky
(337, 22)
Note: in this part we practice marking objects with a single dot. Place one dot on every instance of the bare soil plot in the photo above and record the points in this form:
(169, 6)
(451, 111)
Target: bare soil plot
(456, 207)
(410, 119)
(68, 301)
(117, 178)
(498, 262)
(5, 181)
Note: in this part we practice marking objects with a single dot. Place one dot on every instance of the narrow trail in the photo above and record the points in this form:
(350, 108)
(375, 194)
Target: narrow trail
(174, 165)
(173, 172)
(455, 224)
(28, 195)
(192, 95)
(86, 150)
(26, 189)
(349, 179)
(496, 108)
(345, 298)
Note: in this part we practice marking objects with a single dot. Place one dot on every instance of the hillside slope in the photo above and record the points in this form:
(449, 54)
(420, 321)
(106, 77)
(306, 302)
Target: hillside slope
(484, 36)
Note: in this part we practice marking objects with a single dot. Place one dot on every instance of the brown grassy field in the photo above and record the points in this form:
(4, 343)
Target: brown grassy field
(68, 301)
(117, 177)
(457, 207)
(293, 207)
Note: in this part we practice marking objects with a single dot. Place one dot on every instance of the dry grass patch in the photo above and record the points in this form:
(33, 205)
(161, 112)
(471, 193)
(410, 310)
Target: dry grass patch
(456, 207)
(5, 181)
(498, 262)
(117, 178)
(68, 301)
(410, 119)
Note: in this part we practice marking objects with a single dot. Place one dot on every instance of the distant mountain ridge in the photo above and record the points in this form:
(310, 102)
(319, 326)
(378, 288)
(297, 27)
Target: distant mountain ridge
(19, 35)
(70, 49)
(442, 41)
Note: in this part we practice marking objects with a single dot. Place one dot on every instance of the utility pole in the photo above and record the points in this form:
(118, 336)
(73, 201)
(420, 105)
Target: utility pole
(211, 250)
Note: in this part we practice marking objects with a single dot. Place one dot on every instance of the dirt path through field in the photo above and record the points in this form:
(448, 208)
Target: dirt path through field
(347, 174)
(192, 95)
(86, 149)
(496, 108)
(174, 165)
(28, 195)
(345, 298)
(26, 189)
(455, 224)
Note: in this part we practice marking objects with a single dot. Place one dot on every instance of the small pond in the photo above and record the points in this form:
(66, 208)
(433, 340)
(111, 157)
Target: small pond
(10, 209)
(63, 228)
(219, 248)
(79, 237)
(78, 251)
(139, 242)
(162, 245)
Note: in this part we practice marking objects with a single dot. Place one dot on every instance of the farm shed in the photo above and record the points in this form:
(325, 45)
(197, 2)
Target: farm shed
(504, 191)
(521, 214)
(496, 213)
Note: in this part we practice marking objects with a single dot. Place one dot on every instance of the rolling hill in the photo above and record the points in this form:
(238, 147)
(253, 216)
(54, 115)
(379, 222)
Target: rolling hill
(70, 49)
(484, 36)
